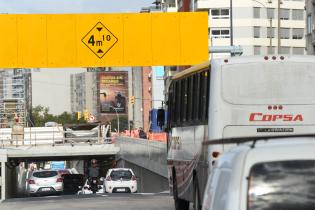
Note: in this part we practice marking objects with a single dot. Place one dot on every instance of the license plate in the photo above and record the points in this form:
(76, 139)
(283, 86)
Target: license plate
(45, 189)
(120, 190)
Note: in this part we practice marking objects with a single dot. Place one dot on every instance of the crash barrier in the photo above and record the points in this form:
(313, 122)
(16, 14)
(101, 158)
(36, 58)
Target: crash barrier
(19, 136)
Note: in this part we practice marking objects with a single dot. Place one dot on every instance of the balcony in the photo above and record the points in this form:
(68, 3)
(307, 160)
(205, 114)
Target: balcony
(202, 4)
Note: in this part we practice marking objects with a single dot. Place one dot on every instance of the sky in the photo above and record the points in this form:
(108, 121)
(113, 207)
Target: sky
(72, 6)
(51, 87)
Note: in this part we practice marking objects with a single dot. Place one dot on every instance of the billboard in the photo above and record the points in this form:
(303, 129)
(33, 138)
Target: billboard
(113, 88)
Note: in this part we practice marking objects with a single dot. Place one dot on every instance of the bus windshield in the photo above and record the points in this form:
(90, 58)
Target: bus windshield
(269, 83)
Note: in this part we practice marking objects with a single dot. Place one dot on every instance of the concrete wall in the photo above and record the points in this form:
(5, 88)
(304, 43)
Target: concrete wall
(148, 181)
(146, 96)
(144, 153)
(137, 108)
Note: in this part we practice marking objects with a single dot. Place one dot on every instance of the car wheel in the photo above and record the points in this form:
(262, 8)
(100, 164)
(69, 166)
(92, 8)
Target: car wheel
(180, 204)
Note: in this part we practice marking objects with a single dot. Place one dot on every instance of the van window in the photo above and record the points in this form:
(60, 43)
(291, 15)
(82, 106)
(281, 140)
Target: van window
(282, 185)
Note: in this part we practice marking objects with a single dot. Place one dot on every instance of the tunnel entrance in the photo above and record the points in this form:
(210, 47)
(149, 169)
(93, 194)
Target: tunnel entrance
(21, 173)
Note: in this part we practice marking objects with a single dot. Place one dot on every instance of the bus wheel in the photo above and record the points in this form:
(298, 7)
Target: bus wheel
(197, 202)
(180, 204)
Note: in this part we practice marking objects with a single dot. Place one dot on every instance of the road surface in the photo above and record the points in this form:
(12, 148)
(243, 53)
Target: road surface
(92, 202)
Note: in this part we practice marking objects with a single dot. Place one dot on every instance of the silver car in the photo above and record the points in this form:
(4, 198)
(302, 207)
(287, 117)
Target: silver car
(45, 182)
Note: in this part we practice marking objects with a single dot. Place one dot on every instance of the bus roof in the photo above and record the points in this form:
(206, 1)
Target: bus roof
(192, 70)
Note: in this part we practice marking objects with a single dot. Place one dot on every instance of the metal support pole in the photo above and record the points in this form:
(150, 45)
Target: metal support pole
(3, 180)
(117, 119)
(270, 42)
(231, 23)
(279, 43)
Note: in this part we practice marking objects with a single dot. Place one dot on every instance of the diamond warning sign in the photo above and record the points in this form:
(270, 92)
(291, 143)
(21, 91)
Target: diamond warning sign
(99, 40)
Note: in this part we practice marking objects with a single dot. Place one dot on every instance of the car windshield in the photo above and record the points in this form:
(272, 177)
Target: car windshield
(45, 174)
(288, 185)
(122, 174)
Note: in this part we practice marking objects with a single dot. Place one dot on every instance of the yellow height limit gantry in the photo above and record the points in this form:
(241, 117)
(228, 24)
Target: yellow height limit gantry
(82, 40)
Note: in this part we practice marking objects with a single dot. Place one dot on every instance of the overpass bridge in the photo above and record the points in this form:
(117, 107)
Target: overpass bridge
(146, 158)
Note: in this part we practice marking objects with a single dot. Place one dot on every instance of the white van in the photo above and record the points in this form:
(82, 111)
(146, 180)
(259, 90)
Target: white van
(267, 174)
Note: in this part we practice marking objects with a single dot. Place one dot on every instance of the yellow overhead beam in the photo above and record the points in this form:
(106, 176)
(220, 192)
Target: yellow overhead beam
(95, 40)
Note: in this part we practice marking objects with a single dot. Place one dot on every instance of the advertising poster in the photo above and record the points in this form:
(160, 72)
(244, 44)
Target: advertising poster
(113, 92)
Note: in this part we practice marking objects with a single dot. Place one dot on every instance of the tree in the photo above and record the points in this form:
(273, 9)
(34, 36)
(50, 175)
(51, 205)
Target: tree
(40, 115)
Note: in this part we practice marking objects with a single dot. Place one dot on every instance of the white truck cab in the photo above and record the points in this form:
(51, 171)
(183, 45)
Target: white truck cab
(269, 174)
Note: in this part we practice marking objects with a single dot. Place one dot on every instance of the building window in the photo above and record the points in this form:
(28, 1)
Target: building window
(256, 32)
(271, 32)
(257, 50)
(284, 14)
(298, 50)
(297, 33)
(220, 13)
(256, 12)
(297, 14)
(220, 33)
(284, 50)
(270, 13)
(285, 33)
(309, 24)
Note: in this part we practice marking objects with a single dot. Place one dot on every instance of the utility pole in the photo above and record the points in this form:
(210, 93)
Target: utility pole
(231, 23)
(279, 43)
(270, 31)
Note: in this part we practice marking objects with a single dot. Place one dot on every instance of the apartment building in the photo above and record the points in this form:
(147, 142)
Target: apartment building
(15, 96)
(310, 27)
(255, 24)
(83, 92)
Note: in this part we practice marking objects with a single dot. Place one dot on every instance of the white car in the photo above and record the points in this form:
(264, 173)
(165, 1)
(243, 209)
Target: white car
(271, 174)
(45, 182)
(120, 180)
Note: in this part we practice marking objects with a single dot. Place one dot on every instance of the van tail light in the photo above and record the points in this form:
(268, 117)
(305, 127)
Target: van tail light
(60, 180)
(133, 178)
(30, 181)
(108, 178)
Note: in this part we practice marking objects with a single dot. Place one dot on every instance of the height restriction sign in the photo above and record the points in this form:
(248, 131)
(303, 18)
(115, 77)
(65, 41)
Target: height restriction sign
(99, 40)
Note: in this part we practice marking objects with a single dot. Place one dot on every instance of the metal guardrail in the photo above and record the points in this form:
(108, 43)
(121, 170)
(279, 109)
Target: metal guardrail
(36, 136)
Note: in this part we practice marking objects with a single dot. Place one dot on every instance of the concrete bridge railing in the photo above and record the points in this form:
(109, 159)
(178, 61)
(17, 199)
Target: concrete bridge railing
(144, 153)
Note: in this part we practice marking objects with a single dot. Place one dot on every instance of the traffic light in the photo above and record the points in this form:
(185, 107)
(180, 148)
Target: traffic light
(86, 115)
(78, 115)
(132, 100)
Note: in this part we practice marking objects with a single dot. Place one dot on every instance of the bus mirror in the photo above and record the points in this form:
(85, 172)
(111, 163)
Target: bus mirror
(161, 117)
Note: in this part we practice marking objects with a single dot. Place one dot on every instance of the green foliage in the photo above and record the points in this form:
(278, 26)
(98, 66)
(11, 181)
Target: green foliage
(40, 115)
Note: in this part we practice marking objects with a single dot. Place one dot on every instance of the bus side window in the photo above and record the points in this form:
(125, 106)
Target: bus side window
(171, 104)
(196, 95)
(183, 100)
(178, 101)
(208, 95)
(189, 98)
(203, 96)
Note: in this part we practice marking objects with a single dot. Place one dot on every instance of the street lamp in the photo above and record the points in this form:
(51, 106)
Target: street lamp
(270, 22)
(117, 115)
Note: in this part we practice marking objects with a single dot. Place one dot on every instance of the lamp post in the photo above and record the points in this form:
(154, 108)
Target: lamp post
(270, 22)
(117, 115)
(279, 43)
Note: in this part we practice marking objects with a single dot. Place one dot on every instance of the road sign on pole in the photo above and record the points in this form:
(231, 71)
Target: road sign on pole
(94, 40)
